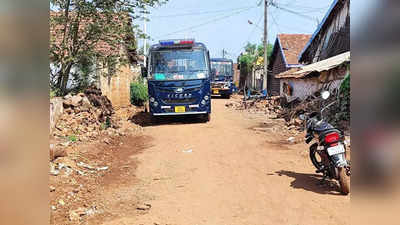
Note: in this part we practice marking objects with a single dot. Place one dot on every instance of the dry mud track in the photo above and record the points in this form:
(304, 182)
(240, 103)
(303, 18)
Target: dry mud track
(224, 172)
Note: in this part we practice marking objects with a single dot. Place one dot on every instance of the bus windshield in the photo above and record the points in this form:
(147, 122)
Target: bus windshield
(179, 65)
(222, 68)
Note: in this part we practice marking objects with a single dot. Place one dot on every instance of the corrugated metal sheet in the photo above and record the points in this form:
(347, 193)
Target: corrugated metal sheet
(320, 66)
(320, 25)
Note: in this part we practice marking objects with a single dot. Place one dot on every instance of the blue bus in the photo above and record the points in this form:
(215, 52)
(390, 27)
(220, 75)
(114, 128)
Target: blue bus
(222, 77)
(178, 77)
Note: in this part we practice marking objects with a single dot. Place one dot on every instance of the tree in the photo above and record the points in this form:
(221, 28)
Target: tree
(87, 33)
(251, 55)
(140, 51)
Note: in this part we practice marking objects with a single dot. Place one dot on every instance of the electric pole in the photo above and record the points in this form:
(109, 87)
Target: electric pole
(265, 80)
(144, 40)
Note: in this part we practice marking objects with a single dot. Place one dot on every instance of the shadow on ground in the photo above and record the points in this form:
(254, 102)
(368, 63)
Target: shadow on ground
(218, 97)
(146, 120)
(311, 182)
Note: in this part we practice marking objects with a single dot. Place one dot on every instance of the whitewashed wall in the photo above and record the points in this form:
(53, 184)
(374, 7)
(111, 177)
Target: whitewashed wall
(302, 88)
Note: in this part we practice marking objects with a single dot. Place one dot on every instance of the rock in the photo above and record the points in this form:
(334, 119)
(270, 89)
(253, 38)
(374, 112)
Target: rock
(86, 166)
(53, 207)
(143, 207)
(298, 122)
(102, 168)
(85, 104)
(52, 188)
(56, 110)
(76, 100)
(68, 96)
(91, 211)
(291, 140)
(263, 129)
(75, 215)
(56, 153)
(53, 170)
(61, 202)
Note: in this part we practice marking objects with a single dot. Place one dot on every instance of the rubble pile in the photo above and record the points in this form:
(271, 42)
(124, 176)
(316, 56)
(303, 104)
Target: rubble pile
(88, 115)
(277, 107)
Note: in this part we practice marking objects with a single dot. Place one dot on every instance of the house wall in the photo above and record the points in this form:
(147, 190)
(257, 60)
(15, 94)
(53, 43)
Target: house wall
(257, 82)
(302, 88)
(117, 88)
(278, 67)
(236, 75)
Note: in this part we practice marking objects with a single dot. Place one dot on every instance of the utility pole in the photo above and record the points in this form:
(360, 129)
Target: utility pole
(145, 40)
(223, 53)
(265, 80)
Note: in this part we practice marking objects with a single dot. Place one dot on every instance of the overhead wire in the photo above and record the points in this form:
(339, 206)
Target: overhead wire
(191, 28)
(251, 33)
(292, 11)
(200, 13)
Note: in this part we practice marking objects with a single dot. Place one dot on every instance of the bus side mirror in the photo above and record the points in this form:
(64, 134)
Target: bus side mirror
(143, 71)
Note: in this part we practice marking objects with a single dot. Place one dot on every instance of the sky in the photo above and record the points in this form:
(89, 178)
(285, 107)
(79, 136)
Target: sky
(222, 24)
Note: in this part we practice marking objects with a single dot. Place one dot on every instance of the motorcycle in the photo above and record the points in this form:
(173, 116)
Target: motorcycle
(328, 153)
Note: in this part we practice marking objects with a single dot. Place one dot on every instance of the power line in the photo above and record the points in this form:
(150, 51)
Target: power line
(278, 26)
(206, 23)
(293, 12)
(251, 33)
(200, 13)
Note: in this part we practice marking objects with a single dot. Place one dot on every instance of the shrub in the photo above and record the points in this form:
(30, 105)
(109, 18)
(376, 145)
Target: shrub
(138, 93)
(72, 138)
(344, 98)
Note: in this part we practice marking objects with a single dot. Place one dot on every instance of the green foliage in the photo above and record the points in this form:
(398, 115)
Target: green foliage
(250, 56)
(87, 35)
(106, 124)
(344, 99)
(139, 93)
(72, 138)
(53, 94)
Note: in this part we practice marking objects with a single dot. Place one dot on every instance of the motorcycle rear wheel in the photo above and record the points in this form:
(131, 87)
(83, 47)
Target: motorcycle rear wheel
(313, 157)
(344, 181)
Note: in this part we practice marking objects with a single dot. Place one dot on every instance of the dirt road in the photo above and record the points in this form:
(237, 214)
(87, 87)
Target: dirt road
(225, 172)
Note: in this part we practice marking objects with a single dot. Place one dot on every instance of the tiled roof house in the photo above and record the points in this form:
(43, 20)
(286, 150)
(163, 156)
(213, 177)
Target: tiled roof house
(284, 56)
(325, 56)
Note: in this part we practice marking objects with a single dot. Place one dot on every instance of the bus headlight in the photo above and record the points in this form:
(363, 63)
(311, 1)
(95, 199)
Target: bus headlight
(155, 104)
(206, 97)
(152, 99)
(203, 102)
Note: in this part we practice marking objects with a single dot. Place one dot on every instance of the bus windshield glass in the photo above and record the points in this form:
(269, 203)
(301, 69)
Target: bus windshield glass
(222, 68)
(179, 65)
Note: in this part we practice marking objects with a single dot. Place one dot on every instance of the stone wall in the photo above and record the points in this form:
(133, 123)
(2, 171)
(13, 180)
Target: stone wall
(117, 88)
(56, 110)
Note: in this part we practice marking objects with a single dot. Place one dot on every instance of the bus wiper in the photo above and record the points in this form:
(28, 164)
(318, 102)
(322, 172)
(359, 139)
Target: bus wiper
(196, 70)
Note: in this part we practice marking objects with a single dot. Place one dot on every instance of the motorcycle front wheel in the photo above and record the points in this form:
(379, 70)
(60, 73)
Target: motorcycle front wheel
(344, 181)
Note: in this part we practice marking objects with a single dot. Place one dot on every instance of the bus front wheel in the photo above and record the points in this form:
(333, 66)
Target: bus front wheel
(206, 117)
